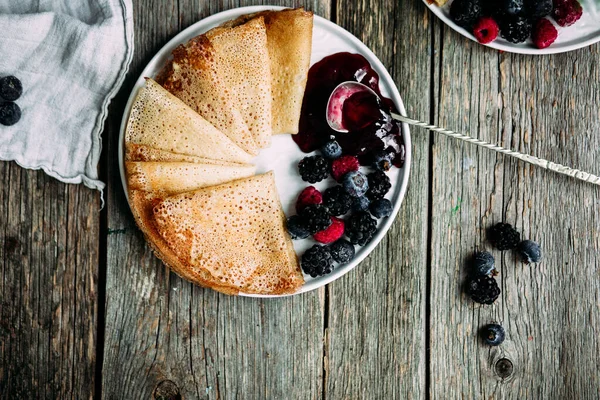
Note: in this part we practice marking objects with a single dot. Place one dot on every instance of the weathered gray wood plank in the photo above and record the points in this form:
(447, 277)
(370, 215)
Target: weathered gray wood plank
(48, 262)
(164, 335)
(375, 341)
(546, 106)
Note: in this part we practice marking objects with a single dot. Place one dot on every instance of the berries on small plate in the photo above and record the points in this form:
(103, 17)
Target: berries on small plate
(316, 218)
(466, 12)
(343, 165)
(332, 233)
(310, 195)
(504, 236)
(342, 251)
(10, 88)
(567, 12)
(381, 208)
(544, 33)
(360, 228)
(483, 289)
(331, 150)
(529, 251)
(379, 185)
(313, 169)
(493, 334)
(355, 183)
(317, 261)
(486, 30)
(10, 113)
(483, 264)
(337, 201)
(296, 228)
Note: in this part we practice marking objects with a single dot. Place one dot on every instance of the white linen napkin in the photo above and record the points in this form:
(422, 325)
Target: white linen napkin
(71, 57)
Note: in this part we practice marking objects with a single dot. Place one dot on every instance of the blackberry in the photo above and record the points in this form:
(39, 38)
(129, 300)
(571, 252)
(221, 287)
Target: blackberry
(493, 334)
(360, 203)
(504, 236)
(466, 12)
(381, 208)
(331, 150)
(379, 185)
(317, 261)
(342, 251)
(316, 218)
(355, 183)
(538, 8)
(313, 169)
(10, 113)
(529, 251)
(483, 264)
(337, 201)
(360, 228)
(296, 228)
(10, 88)
(515, 28)
(483, 289)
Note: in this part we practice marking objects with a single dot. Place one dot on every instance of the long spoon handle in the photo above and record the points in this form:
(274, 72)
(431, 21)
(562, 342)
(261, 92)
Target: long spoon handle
(549, 165)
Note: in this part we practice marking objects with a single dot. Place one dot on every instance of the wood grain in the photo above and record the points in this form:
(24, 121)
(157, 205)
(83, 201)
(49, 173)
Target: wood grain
(49, 264)
(165, 335)
(545, 106)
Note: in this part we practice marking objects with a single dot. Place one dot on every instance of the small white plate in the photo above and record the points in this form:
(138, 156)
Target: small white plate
(583, 33)
(284, 155)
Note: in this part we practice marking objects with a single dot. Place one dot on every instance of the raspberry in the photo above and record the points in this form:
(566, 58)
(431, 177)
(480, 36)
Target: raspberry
(504, 236)
(486, 30)
(315, 218)
(317, 261)
(331, 234)
(566, 13)
(483, 289)
(342, 166)
(360, 228)
(313, 169)
(544, 34)
(310, 195)
(337, 201)
(515, 29)
(465, 12)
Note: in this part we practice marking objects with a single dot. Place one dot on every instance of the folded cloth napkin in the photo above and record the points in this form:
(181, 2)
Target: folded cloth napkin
(71, 57)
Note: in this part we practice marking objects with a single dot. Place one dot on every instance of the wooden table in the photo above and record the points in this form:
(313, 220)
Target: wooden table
(87, 311)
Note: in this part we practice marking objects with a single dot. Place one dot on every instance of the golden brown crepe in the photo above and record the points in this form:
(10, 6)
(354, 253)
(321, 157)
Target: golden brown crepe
(140, 152)
(161, 121)
(233, 233)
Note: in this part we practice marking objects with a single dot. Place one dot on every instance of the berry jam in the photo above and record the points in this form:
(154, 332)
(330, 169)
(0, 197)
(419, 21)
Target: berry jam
(372, 130)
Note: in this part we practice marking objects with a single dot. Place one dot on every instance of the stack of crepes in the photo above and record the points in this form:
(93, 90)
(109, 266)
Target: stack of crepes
(189, 142)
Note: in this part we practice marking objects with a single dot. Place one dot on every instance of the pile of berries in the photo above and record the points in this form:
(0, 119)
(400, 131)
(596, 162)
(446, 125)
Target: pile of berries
(349, 209)
(515, 20)
(10, 90)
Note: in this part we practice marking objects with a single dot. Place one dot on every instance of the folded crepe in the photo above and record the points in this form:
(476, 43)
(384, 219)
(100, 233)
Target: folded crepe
(230, 237)
(289, 42)
(178, 177)
(243, 62)
(194, 75)
(161, 121)
(140, 152)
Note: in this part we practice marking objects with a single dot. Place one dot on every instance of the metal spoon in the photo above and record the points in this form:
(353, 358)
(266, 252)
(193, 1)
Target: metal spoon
(346, 89)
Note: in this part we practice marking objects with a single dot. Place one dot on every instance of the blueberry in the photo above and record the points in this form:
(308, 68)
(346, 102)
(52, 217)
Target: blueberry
(10, 113)
(512, 7)
(10, 88)
(382, 160)
(493, 334)
(360, 203)
(529, 251)
(483, 263)
(342, 251)
(381, 208)
(355, 183)
(331, 150)
(296, 228)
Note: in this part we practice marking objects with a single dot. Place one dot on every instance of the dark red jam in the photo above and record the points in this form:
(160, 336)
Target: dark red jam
(372, 131)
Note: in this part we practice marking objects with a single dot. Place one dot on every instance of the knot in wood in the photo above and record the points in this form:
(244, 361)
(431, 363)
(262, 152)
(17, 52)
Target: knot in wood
(166, 390)
(504, 368)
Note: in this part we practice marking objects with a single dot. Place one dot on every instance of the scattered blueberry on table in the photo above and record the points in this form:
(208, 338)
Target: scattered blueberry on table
(10, 90)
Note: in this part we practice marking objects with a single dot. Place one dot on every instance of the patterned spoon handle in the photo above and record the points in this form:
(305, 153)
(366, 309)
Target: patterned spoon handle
(561, 169)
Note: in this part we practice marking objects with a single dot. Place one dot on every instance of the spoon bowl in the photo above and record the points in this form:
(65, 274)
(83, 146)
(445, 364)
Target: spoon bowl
(338, 97)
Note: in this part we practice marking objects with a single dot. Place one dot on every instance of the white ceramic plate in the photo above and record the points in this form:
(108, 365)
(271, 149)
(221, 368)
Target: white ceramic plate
(284, 155)
(583, 33)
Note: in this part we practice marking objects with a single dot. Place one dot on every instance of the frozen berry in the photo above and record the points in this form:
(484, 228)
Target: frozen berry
(313, 169)
(504, 236)
(355, 183)
(483, 289)
(331, 234)
(483, 264)
(10, 113)
(544, 34)
(342, 251)
(337, 201)
(382, 160)
(10, 88)
(316, 218)
(310, 195)
(485, 30)
(296, 228)
(493, 334)
(515, 29)
(465, 12)
(538, 8)
(331, 150)
(317, 261)
(379, 185)
(529, 251)
(342, 166)
(360, 203)
(566, 13)
(360, 228)
(510, 7)
(381, 208)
